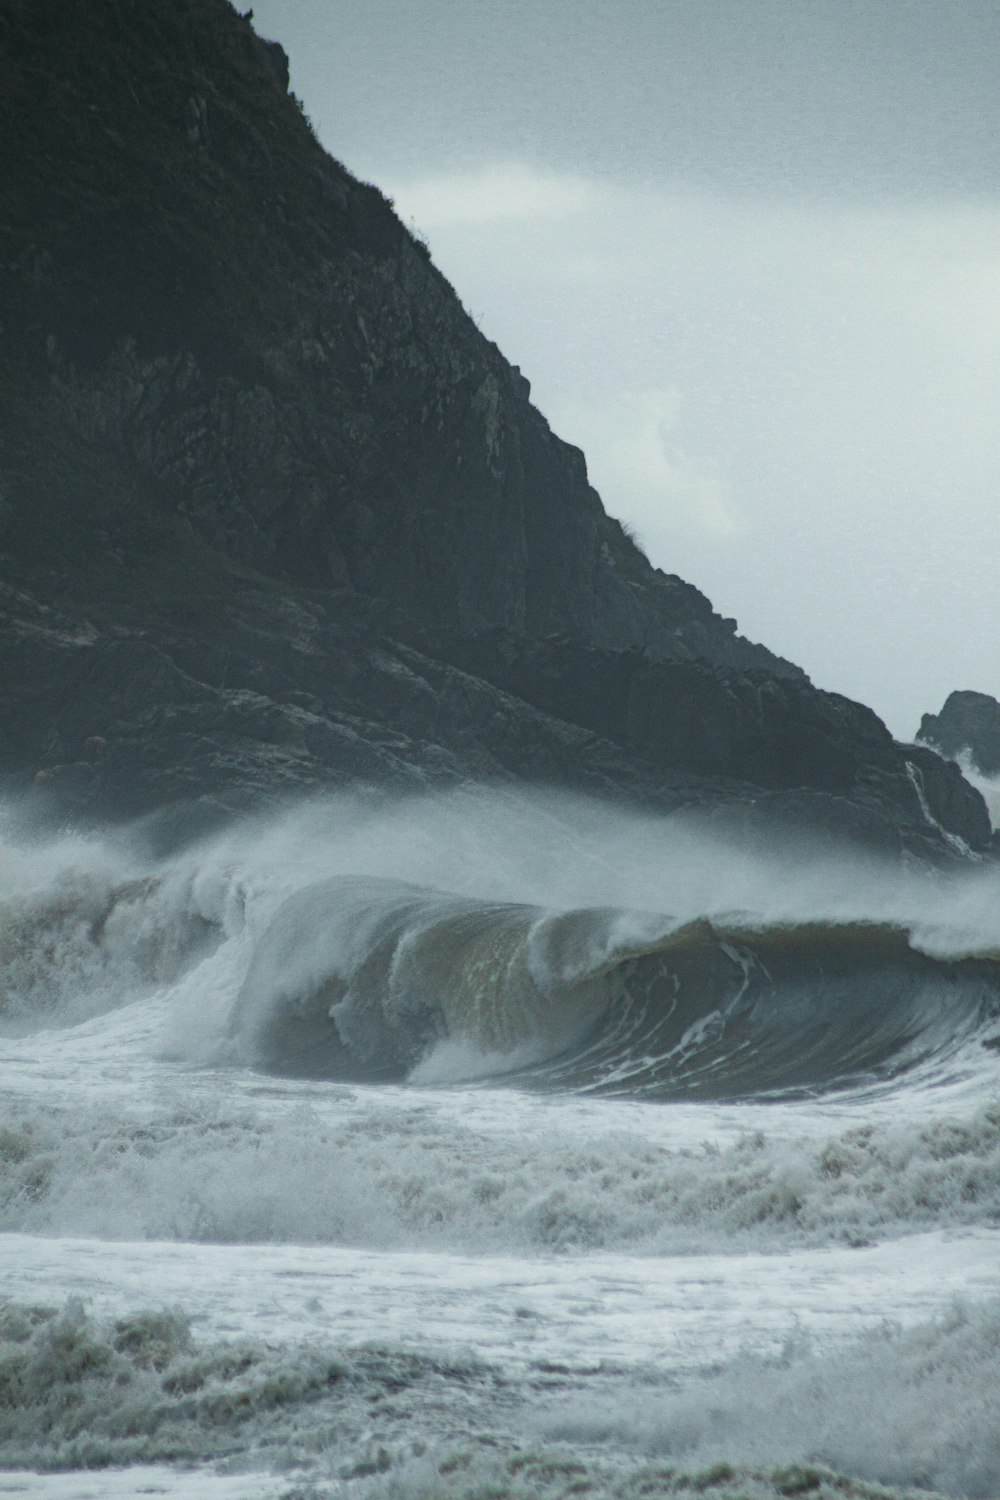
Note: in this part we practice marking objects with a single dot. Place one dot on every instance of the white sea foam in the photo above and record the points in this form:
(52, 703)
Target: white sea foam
(84, 1392)
(128, 1138)
(181, 1483)
(906, 1407)
(909, 1407)
(411, 1177)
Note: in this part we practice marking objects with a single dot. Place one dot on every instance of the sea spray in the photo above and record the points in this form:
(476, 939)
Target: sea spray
(907, 1408)
(530, 1218)
(356, 1174)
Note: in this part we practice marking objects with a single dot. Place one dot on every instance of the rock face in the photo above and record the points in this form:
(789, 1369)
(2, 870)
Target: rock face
(270, 358)
(968, 725)
(274, 515)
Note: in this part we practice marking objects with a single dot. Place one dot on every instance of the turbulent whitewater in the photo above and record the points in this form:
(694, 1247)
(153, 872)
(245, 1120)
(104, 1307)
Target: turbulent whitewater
(497, 1143)
(360, 980)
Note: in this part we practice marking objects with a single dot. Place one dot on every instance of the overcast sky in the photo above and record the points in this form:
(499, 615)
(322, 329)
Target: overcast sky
(748, 254)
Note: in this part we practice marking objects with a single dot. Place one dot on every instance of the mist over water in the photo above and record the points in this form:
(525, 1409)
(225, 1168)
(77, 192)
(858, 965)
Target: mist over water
(615, 1135)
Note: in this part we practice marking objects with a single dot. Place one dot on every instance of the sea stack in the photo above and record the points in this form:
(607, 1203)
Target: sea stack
(968, 727)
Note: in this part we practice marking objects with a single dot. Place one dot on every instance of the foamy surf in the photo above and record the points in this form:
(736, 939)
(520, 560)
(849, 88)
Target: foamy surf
(559, 1128)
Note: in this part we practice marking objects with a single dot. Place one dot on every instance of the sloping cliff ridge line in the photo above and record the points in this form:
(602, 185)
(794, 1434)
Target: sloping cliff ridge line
(276, 516)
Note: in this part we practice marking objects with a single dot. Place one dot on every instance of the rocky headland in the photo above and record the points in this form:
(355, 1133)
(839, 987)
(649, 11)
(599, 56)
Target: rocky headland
(275, 516)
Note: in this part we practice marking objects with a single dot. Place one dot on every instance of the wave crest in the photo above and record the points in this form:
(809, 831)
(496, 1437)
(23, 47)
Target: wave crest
(364, 980)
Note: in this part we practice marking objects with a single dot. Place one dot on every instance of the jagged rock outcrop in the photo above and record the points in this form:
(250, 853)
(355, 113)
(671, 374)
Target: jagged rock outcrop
(274, 515)
(967, 726)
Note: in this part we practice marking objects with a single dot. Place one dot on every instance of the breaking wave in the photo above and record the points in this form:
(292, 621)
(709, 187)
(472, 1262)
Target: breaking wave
(555, 945)
(910, 1408)
(376, 980)
(437, 1026)
(903, 1407)
(85, 930)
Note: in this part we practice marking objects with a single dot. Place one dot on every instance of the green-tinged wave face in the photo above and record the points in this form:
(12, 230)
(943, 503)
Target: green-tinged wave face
(379, 980)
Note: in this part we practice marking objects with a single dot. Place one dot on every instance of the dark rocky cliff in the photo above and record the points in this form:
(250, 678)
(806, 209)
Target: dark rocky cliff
(968, 725)
(275, 515)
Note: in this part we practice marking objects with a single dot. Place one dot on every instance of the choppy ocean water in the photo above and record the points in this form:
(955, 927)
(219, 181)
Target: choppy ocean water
(495, 1144)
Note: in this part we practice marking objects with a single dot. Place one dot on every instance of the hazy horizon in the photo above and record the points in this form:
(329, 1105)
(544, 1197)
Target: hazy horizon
(748, 258)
